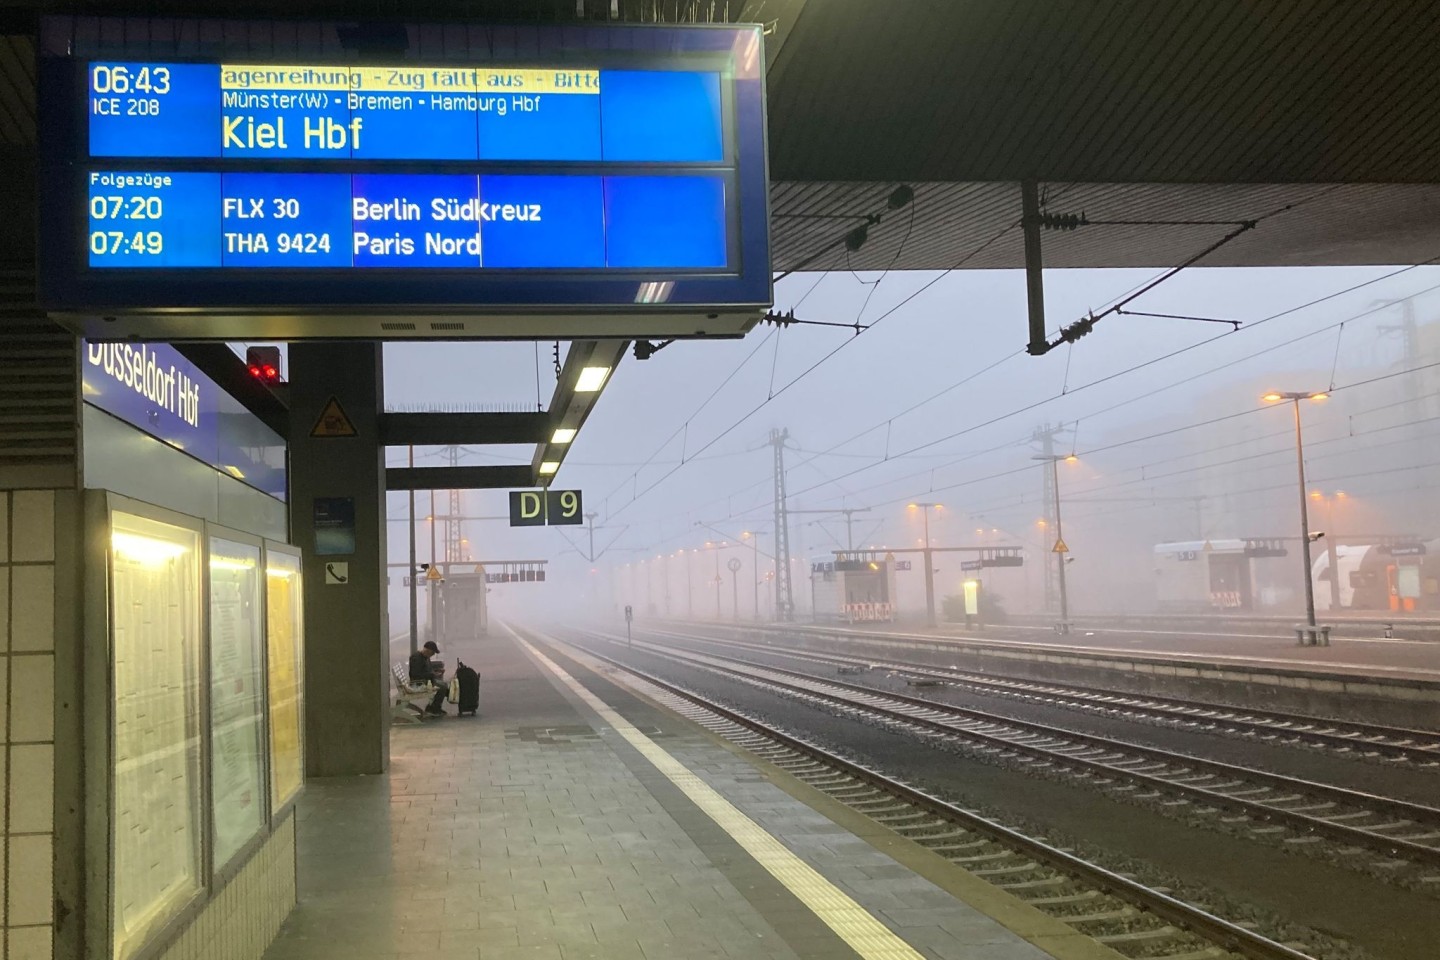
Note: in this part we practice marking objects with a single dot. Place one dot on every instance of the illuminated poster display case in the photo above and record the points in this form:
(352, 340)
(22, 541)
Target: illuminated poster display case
(202, 740)
(157, 817)
(285, 649)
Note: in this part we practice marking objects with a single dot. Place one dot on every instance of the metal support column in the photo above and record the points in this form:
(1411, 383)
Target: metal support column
(784, 597)
(347, 653)
(1034, 277)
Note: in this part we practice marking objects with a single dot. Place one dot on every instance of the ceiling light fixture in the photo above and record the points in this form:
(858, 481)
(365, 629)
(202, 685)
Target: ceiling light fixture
(591, 379)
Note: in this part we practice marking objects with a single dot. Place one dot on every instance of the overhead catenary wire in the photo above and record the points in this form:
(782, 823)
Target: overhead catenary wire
(808, 370)
(1160, 359)
(1027, 407)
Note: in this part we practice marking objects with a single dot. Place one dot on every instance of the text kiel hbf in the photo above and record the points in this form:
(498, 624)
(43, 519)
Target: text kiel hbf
(245, 132)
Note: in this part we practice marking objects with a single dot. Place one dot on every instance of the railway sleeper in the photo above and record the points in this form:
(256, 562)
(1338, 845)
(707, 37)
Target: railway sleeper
(1028, 866)
(1242, 794)
(1393, 825)
(1124, 913)
(919, 817)
(1131, 764)
(821, 781)
(985, 857)
(1204, 953)
(915, 831)
(1051, 881)
(1066, 899)
(1310, 808)
(1137, 936)
(944, 846)
(1342, 817)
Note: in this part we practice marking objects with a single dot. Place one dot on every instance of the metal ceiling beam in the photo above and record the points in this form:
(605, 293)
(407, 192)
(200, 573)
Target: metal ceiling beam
(459, 478)
(569, 408)
(441, 429)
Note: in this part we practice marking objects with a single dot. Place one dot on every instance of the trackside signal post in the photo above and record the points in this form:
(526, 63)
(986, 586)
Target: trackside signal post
(1060, 548)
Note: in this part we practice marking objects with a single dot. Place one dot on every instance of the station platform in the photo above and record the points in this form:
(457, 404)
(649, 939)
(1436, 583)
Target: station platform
(1368, 658)
(576, 819)
(1360, 656)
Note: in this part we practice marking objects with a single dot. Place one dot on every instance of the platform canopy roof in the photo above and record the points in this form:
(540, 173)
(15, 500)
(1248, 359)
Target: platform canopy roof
(1316, 117)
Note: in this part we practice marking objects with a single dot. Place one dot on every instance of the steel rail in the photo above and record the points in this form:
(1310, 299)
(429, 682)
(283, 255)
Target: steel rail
(1223, 933)
(1299, 821)
(1164, 708)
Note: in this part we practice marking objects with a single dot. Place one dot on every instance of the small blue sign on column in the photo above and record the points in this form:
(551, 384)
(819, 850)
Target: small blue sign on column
(334, 521)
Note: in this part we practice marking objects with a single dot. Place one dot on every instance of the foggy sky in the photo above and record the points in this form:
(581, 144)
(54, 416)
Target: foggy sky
(961, 324)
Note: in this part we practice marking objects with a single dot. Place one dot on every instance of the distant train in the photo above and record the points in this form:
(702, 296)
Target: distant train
(1222, 576)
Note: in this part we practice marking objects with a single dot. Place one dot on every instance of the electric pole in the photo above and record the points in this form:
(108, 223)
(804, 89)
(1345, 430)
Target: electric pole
(1045, 436)
(784, 596)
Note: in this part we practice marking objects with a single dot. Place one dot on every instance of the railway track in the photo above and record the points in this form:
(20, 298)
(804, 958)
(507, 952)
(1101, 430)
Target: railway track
(1419, 747)
(1402, 838)
(1132, 919)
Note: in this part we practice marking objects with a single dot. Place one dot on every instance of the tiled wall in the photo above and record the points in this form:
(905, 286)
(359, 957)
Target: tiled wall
(27, 731)
(241, 920)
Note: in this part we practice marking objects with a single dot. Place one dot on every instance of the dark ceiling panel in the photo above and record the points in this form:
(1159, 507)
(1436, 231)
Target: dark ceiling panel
(956, 225)
(1222, 91)
(1126, 109)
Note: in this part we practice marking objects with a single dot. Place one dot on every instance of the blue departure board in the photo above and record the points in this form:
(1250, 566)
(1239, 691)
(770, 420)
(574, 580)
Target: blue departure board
(435, 113)
(587, 168)
(405, 220)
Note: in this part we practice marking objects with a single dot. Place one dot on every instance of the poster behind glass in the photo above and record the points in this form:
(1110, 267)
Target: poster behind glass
(237, 696)
(156, 645)
(286, 652)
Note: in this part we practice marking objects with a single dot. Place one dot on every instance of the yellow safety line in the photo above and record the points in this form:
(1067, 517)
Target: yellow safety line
(851, 922)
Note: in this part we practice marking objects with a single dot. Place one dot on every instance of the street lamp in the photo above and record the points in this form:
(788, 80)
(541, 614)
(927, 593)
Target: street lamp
(1060, 549)
(929, 562)
(1310, 636)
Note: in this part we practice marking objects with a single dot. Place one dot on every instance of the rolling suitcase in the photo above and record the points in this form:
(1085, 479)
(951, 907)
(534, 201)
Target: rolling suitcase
(468, 682)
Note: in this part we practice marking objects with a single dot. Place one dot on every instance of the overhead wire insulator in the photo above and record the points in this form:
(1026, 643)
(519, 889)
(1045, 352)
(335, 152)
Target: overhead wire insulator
(781, 320)
(1078, 329)
(1063, 221)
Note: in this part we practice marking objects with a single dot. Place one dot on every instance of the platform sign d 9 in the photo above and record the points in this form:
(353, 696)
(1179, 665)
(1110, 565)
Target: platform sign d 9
(539, 508)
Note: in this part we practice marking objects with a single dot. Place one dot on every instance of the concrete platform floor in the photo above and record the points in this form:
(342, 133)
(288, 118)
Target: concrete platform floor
(574, 819)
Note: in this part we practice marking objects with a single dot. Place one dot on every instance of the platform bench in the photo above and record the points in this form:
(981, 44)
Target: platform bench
(405, 709)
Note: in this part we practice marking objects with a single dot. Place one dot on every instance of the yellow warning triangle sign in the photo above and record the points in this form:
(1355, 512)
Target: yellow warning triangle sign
(333, 422)
(1208, 547)
(433, 573)
(1060, 547)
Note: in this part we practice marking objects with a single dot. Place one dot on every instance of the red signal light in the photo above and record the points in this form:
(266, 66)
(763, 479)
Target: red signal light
(264, 363)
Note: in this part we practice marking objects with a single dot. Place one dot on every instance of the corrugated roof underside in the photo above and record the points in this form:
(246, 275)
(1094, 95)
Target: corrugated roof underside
(17, 90)
(977, 225)
(1228, 91)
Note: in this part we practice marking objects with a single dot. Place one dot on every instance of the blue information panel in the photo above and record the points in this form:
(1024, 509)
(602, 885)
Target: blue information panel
(594, 168)
(406, 220)
(410, 113)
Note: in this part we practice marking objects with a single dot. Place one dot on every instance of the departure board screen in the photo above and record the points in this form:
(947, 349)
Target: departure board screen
(622, 171)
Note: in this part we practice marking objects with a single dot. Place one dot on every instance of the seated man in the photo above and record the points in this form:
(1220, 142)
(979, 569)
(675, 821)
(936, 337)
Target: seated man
(420, 673)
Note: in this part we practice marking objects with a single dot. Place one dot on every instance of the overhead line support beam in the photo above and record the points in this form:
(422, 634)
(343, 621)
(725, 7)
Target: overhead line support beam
(1034, 277)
